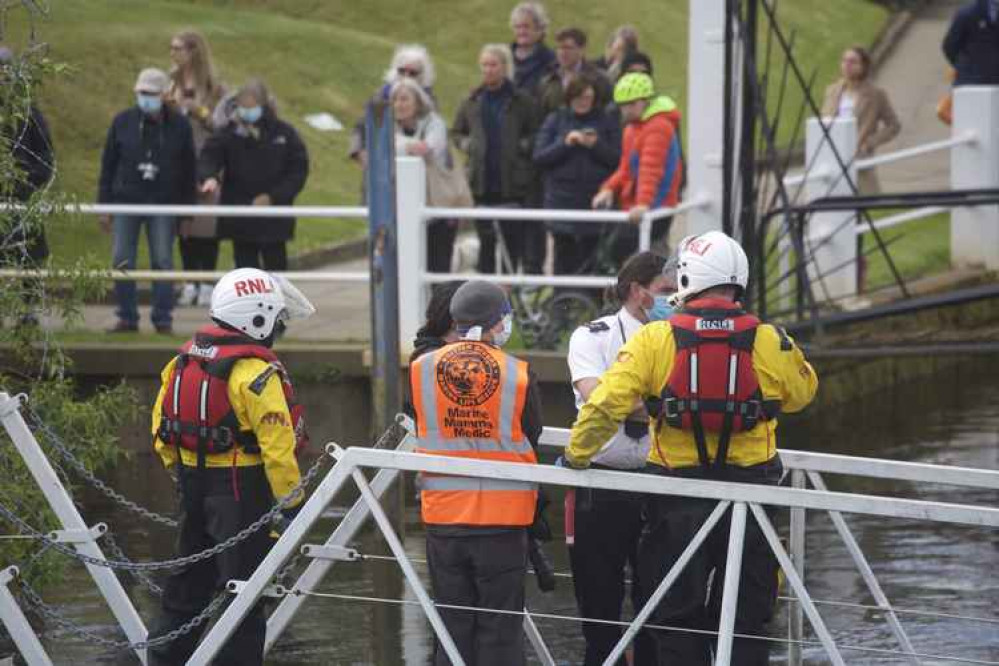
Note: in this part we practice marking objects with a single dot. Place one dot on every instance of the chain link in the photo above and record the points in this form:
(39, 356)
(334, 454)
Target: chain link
(56, 443)
(141, 576)
(179, 562)
(35, 602)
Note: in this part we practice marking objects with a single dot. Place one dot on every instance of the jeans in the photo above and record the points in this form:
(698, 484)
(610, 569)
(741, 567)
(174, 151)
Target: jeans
(160, 231)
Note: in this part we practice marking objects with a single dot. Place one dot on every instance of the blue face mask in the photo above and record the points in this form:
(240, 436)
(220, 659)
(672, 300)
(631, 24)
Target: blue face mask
(249, 114)
(660, 310)
(149, 104)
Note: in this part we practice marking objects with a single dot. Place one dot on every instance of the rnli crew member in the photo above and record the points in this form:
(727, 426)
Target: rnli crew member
(720, 378)
(473, 400)
(226, 412)
(608, 524)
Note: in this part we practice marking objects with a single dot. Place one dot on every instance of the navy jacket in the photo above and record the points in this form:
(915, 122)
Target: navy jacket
(166, 144)
(527, 73)
(573, 174)
(275, 162)
(972, 45)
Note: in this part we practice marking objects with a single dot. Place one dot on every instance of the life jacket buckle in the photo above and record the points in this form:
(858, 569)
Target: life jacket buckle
(670, 408)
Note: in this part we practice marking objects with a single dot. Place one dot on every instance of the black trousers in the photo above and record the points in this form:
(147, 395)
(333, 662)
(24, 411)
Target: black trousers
(695, 599)
(199, 254)
(268, 256)
(440, 245)
(211, 512)
(574, 252)
(485, 571)
(608, 529)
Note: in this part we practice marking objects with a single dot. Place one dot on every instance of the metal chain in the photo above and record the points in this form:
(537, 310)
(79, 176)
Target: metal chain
(141, 576)
(35, 602)
(179, 562)
(60, 447)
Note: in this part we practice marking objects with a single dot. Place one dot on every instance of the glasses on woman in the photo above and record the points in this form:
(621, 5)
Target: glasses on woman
(411, 72)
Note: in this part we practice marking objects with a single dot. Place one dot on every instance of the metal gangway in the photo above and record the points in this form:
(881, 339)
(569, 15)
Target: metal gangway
(744, 502)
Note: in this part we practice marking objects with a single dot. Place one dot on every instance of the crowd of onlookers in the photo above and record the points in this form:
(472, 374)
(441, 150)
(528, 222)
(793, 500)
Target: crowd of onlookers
(546, 126)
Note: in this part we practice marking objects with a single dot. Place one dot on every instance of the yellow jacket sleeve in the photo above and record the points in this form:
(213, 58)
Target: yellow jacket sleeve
(783, 371)
(629, 379)
(165, 451)
(267, 415)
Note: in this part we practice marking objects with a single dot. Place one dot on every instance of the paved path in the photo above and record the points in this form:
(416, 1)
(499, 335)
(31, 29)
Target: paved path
(915, 77)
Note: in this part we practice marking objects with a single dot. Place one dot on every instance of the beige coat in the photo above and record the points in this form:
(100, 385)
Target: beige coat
(877, 123)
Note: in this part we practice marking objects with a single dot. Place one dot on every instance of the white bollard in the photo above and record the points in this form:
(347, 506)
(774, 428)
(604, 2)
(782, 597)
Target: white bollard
(705, 109)
(974, 232)
(833, 273)
(411, 198)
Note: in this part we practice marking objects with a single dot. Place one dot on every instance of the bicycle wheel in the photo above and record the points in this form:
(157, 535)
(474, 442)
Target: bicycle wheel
(566, 312)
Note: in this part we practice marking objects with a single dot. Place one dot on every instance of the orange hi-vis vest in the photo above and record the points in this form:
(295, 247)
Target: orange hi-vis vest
(469, 399)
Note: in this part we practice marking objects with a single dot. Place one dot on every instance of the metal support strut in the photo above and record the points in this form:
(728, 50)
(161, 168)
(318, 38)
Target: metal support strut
(17, 625)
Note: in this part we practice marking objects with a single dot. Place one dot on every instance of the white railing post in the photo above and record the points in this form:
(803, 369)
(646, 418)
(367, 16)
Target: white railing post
(69, 516)
(974, 232)
(831, 233)
(17, 625)
(411, 199)
(705, 105)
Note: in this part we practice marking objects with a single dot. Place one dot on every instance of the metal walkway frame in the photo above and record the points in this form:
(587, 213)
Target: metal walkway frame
(745, 502)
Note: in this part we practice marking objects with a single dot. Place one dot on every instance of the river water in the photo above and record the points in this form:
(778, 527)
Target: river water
(922, 567)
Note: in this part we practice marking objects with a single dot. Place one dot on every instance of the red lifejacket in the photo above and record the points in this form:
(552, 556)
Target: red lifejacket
(196, 412)
(713, 386)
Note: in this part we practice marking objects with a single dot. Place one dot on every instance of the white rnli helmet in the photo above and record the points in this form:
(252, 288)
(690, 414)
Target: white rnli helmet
(252, 301)
(709, 260)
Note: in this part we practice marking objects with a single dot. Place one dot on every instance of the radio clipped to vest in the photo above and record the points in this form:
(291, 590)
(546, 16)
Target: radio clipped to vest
(713, 386)
(196, 412)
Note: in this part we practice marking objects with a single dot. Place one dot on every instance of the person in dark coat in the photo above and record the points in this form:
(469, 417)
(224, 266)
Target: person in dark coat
(972, 44)
(578, 147)
(30, 146)
(532, 59)
(257, 160)
(572, 62)
(148, 159)
(495, 127)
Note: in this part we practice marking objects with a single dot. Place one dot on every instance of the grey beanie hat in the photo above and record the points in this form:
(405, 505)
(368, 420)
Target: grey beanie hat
(478, 303)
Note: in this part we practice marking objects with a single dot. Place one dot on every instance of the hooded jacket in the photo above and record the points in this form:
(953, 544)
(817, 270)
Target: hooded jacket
(651, 166)
(273, 161)
(972, 45)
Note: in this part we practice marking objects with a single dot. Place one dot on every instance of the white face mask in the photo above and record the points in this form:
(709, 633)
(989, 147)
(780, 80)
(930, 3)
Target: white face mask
(503, 337)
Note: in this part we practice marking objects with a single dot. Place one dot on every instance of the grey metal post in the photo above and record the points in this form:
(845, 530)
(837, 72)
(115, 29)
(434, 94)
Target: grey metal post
(64, 509)
(17, 625)
(344, 533)
(867, 573)
(795, 614)
(730, 593)
(382, 240)
(797, 585)
(251, 591)
(667, 582)
(395, 545)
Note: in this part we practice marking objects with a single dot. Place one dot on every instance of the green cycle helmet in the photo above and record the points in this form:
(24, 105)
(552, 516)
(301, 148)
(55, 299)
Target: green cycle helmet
(633, 86)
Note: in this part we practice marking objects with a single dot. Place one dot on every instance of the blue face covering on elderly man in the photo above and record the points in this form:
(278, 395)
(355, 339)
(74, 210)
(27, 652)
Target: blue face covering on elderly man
(249, 114)
(149, 104)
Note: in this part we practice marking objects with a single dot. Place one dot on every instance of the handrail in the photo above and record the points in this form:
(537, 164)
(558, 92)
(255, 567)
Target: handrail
(570, 281)
(969, 136)
(902, 218)
(146, 275)
(554, 215)
(324, 212)
(876, 468)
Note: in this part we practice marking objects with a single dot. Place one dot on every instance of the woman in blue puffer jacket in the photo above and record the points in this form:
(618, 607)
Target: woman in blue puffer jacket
(577, 148)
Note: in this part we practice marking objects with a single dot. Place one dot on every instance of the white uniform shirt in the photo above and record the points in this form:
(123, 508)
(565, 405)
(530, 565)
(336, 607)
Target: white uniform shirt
(592, 351)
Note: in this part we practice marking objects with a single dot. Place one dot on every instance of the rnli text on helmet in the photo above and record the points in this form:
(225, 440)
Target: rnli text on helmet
(255, 286)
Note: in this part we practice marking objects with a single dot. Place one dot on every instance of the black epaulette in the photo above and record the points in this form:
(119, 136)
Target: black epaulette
(597, 326)
(785, 341)
(258, 384)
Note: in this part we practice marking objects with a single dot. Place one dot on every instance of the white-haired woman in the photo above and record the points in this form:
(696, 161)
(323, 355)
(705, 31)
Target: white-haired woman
(495, 127)
(532, 59)
(409, 61)
(421, 132)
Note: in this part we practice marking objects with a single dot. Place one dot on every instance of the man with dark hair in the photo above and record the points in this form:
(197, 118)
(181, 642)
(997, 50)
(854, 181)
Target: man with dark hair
(570, 58)
(603, 546)
(473, 400)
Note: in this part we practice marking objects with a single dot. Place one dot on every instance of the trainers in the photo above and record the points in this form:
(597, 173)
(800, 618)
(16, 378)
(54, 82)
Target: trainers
(205, 295)
(188, 295)
(123, 327)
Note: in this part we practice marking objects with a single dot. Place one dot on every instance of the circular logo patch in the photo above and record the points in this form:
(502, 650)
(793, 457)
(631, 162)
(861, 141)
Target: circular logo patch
(468, 375)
